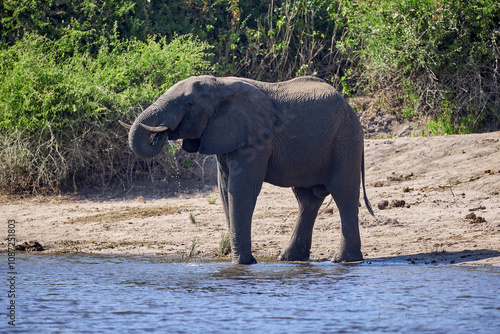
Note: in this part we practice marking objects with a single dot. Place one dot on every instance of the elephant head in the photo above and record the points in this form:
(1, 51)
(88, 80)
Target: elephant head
(211, 115)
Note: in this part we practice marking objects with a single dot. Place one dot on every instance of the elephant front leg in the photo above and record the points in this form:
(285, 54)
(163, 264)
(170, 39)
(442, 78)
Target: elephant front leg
(242, 197)
(238, 211)
(223, 180)
(240, 229)
(245, 180)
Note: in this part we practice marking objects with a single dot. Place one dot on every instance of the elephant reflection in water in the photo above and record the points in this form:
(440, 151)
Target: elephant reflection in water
(299, 133)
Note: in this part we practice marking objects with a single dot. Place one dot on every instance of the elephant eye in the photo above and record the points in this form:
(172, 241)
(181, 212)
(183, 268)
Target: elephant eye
(188, 105)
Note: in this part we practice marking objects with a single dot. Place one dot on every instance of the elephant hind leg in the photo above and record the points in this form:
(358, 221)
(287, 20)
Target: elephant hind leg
(345, 192)
(299, 246)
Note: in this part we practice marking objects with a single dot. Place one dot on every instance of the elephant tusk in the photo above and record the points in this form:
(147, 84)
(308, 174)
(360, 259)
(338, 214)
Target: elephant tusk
(154, 128)
(125, 125)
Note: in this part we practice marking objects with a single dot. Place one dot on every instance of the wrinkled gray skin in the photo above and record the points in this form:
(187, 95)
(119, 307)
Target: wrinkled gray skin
(299, 133)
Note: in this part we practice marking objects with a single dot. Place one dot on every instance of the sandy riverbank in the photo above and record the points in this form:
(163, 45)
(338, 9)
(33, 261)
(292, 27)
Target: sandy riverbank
(442, 180)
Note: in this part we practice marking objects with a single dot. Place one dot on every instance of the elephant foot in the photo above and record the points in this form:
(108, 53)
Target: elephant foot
(344, 255)
(244, 259)
(294, 255)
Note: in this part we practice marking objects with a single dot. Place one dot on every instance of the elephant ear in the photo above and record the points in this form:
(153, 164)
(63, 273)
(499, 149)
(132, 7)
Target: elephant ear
(246, 117)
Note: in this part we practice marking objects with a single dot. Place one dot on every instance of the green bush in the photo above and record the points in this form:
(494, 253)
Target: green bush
(88, 19)
(279, 40)
(263, 40)
(433, 55)
(58, 120)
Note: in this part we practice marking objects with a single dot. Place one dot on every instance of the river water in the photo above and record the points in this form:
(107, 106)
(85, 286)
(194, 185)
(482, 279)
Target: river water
(95, 294)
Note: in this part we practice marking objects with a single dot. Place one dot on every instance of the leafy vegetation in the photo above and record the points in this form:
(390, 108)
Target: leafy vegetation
(225, 244)
(440, 57)
(58, 125)
(69, 69)
(211, 198)
(192, 250)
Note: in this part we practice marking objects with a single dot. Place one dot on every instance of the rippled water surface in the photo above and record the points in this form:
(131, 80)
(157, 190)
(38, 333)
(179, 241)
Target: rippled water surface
(90, 294)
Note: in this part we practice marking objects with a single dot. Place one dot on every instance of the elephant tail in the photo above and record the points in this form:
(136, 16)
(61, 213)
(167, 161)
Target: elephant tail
(367, 202)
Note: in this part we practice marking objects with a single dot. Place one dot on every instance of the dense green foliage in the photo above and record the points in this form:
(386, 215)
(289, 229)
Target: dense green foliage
(58, 125)
(441, 57)
(265, 40)
(69, 69)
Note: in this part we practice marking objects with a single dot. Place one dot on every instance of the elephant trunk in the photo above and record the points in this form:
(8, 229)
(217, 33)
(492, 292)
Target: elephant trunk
(142, 141)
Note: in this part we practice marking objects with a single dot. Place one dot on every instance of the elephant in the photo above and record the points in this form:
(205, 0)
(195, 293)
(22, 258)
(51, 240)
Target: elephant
(299, 133)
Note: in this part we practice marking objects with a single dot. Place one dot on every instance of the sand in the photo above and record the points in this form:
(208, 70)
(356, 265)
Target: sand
(451, 213)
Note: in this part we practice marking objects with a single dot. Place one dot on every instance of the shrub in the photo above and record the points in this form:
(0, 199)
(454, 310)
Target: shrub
(435, 55)
(279, 40)
(225, 244)
(58, 125)
(89, 20)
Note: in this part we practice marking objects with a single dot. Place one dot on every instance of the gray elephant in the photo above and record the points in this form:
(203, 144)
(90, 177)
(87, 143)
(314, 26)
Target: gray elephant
(299, 133)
